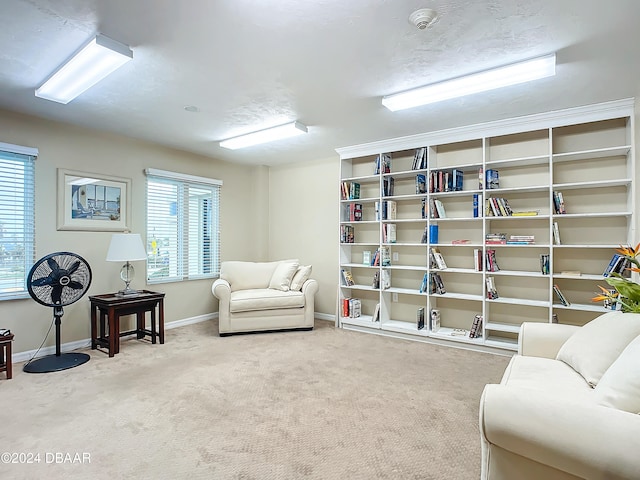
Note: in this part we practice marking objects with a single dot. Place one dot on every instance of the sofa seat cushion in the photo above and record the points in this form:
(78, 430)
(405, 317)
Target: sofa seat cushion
(264, 299)
(546, 375)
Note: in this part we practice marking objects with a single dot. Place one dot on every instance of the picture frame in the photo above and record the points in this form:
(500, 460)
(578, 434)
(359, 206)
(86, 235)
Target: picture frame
(93, 202)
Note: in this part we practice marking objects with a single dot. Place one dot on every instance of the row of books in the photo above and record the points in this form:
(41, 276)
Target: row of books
(382, 280)
(388, 233)
(544, 263)
(387, 186)
(351, 307)
(382, 164)
(492, 291)
(558, 203)
(492, 178)
(436, 208)
(350, 190)
(446, 181)
(618, 264)
(347, 234)
(352, 212)
(420, 159)
(386, 210)
(436, 260)
(488, 262)
(498, 207)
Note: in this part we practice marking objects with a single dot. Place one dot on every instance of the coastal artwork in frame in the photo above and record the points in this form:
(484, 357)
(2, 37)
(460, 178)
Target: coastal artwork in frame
(93, 202)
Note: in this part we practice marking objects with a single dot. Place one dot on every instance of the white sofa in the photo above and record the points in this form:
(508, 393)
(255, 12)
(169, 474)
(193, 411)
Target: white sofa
(567, 406)
(264, 296)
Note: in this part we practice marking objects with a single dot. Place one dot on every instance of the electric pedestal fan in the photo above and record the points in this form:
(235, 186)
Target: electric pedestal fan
(57, 280)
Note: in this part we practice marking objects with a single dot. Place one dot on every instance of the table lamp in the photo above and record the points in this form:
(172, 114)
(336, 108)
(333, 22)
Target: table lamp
(126, 247)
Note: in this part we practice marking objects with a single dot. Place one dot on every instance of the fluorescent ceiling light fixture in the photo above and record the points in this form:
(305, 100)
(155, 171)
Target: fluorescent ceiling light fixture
(263, 136)
(93, 62)
(513, 74)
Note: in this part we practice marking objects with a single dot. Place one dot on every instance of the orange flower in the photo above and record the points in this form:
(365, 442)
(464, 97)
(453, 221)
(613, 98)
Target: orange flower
(606, 295)
(629, 251)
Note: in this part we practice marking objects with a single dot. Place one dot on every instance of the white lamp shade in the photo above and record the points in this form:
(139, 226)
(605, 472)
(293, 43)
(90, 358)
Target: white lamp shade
(126, 247)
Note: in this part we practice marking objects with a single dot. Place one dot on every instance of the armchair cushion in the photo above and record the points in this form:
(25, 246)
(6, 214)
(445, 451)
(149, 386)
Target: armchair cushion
(592, 349)
(302, 275)
(619, 387)
(264, 299)
(282, 275)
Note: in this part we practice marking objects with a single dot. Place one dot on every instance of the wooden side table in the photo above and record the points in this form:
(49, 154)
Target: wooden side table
(112, 306)
(5, 355)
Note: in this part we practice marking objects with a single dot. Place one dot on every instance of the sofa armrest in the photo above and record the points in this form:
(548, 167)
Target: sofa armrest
(584, 439)
(543, 339)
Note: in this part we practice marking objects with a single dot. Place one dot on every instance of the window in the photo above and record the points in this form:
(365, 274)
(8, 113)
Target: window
(183, 227)
(17, 219)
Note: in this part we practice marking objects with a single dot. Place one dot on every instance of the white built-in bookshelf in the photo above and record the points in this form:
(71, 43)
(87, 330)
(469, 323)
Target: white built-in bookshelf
(586, 154)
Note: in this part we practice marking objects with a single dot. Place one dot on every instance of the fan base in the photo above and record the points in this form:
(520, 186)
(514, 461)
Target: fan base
(55, 363)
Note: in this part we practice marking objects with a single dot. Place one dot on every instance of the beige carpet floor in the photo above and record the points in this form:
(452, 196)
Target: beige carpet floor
(326, 404)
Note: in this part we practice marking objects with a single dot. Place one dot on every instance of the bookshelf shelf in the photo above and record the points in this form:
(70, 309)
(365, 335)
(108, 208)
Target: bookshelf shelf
(585, 154)
(503, 327)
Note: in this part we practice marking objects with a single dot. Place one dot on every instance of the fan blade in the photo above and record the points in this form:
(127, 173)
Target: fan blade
(73, 267)
(56, 294)
(75, 285)
(42, 282)
(53, 265)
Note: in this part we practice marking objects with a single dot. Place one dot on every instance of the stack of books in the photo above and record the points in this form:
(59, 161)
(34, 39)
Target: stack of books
(521, 240)
(495, 238)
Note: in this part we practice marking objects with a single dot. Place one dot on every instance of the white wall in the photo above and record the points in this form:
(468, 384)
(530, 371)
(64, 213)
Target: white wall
(243, 208)
(303, 216)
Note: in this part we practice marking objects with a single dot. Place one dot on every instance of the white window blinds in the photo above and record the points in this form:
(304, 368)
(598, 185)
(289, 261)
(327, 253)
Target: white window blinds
(183, 227)
(17, 219)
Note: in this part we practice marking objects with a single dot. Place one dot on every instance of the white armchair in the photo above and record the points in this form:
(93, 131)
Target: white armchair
(264, 296)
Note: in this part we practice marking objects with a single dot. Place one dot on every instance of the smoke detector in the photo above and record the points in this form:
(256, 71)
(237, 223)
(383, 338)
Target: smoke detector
(423, 18)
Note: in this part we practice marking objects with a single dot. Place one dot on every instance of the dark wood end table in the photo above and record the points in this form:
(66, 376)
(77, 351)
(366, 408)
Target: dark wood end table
(5, 355)
(112, 306)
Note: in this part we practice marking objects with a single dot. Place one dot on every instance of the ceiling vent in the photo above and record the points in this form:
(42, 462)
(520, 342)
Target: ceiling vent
(423, 18)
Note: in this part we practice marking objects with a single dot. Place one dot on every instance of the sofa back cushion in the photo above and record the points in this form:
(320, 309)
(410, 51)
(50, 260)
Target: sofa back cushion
(594, 347)
(619, 387)
(246, 275)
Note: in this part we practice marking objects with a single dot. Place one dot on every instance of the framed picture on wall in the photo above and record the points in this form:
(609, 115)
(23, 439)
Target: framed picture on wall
(94, 202)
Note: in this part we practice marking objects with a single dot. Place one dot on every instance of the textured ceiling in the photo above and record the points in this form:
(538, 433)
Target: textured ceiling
(250, 64)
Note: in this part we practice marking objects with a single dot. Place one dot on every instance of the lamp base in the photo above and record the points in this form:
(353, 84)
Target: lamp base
(126, 292)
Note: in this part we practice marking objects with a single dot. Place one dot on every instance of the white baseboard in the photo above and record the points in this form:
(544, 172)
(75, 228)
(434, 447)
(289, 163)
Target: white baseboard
(325, 316)
(70, 346)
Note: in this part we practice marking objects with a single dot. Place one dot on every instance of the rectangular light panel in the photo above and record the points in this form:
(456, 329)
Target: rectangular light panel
(513, 74)
(264, 136)
(97, 59)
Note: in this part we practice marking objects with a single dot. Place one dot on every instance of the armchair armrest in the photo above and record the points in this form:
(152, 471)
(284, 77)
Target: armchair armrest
(543, 339)
(221, 289)
(586, 440)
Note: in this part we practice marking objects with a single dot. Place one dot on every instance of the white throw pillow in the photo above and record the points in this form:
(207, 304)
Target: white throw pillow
(281, 278)
(594, 347)
(619, 387)
(302, 275)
